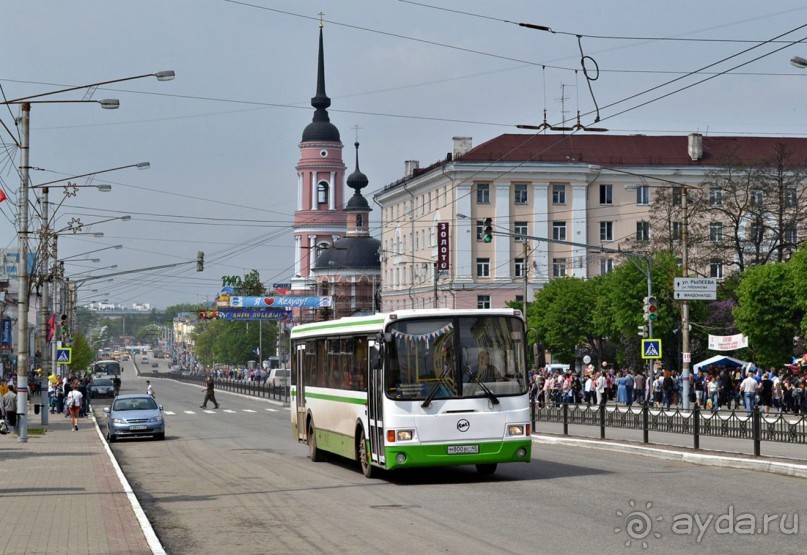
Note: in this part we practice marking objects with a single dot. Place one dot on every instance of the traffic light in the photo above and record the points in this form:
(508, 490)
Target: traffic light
(650, 309)
(64, 328)
(200, 261)
(488, 232)
(643, 331)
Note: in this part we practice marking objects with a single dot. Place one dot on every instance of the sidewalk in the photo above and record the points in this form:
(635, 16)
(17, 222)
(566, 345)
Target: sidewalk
(64, 493)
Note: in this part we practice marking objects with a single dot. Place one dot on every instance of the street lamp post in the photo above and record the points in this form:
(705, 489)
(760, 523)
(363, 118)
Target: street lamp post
(22, 233)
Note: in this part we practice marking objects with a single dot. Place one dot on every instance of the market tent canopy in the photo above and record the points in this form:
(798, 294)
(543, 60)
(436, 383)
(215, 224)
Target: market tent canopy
(719, 360)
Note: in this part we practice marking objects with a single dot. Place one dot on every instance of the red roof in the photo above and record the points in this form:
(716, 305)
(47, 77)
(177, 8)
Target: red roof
(631, 150)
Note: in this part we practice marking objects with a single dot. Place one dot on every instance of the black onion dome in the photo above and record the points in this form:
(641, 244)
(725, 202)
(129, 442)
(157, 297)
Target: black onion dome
(350, 253)
(357, 181)
(321, 128)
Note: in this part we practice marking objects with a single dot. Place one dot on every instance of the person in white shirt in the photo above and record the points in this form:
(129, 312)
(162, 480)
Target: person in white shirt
(748, 388)
(74, 400)
(150, 389)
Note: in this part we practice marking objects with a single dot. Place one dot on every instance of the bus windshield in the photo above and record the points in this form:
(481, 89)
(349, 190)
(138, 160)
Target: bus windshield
(461, 357)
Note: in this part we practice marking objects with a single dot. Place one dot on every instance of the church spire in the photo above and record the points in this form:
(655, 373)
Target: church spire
(321, 128)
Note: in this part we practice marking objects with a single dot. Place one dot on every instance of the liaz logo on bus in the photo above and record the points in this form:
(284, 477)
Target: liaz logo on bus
(463, 425)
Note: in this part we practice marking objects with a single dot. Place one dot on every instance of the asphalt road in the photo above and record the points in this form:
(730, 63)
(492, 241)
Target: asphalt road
(235, 481)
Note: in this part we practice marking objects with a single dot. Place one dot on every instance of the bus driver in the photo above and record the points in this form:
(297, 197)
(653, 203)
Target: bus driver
(486, 372)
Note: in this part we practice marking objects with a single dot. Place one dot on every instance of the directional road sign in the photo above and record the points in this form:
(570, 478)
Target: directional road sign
(651, 348)
(64, 355)
(695, 289)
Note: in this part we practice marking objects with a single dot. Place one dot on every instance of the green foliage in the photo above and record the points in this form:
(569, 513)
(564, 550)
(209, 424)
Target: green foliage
(82, 355)
(251, 285)
(561, 314)
(798, 273)
(768, 313)
(233, 342)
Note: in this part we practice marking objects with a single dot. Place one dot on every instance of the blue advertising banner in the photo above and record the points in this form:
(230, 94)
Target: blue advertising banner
(281, 302)
(253, 314)
(5, 335)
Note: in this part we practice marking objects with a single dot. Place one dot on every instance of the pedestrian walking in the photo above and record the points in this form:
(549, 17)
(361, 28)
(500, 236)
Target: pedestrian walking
(10, 406)
(210, 394)
(150, 390)
(74, 401)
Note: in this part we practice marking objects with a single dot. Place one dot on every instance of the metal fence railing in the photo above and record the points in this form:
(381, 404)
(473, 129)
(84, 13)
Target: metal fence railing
(245, 387)
(756, 427)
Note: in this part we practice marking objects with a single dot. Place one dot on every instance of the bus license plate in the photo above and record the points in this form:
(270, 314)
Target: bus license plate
(138, 428)
(463, 449)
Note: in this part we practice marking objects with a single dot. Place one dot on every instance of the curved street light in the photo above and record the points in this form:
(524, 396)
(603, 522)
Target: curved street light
(22, 233)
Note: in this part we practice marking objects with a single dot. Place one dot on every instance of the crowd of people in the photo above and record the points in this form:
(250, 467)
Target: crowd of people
(714, 388)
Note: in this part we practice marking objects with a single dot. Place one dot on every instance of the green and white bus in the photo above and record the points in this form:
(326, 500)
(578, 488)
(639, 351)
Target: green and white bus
(404, 389)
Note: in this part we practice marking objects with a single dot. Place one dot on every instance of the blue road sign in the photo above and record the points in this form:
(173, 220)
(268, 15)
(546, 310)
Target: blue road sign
(64, 355)
(651, 348)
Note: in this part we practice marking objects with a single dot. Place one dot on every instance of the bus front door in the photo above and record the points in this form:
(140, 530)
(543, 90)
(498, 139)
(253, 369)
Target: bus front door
(375, 405)
(299, 399)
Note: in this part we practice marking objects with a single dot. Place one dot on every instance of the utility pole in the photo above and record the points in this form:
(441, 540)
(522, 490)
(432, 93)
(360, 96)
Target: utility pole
(525, 271)
(685, 305)
(436, 277)
(44, 306)
(22, 279)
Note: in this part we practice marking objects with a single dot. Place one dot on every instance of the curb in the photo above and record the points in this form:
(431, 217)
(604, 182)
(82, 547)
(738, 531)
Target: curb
(760, 465)
(151, 536)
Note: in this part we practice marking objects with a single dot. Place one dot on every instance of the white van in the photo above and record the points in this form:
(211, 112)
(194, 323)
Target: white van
(279, 377)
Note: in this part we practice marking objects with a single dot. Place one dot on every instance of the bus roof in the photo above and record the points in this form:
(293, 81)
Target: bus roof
(377, 322)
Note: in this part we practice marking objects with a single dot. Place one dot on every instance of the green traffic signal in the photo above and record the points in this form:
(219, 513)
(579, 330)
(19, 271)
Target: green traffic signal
(488, 234)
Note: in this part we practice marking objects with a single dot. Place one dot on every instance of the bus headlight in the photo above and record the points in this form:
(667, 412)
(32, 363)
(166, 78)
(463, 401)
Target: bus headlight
(405, 435)
(515, 430)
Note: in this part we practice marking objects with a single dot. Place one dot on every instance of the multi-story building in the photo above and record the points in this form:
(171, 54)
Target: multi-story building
(554, 200)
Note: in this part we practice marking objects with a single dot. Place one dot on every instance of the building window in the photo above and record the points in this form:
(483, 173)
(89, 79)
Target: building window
(643, 195)
(606, 194)
(322, 192)
(521, 193)
(519, 267)
(789, 235)
(483, 267)
(558, 267)
(790, 198)
(716, 232)
(519, 230)
(676, 231)
(606, 231)
(558, 194)
(642, 231)
(559, 231)
(606, 265)
(755, 233)
(757, 197)
(715, 196)
(716, 269)
(676, 196)
(480, 230)
(483, 193)
(483, 301)
(520, 300)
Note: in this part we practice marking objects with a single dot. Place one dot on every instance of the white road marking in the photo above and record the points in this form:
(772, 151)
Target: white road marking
(249, 410)
(271, 410)
(169, 413)
(189, 412)
(230, 411)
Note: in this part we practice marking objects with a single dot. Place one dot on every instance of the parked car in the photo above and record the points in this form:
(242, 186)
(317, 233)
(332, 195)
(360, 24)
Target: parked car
(155, 365)
(102, 387)
(134, 415)
(144, 360)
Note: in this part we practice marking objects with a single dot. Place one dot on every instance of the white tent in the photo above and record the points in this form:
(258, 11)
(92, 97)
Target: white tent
(719, 360)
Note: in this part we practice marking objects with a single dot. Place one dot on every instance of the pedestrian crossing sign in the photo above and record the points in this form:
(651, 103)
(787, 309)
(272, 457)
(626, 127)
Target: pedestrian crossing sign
(651, 348)
(64, 355)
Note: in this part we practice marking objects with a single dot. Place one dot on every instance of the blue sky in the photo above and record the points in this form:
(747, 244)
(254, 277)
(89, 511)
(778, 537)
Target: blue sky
(222, 138)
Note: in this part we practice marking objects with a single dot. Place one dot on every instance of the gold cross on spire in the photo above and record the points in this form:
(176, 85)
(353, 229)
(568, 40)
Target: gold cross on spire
(356, 131)
(321, 14)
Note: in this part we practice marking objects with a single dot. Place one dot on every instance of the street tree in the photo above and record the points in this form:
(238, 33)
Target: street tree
(768, 312)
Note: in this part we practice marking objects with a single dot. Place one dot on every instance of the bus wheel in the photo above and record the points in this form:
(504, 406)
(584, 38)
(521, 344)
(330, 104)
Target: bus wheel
(367, 468)
(486, 469)
(313, 453)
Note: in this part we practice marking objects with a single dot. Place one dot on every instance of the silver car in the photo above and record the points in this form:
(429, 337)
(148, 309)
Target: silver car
(102, 387)
(134, 415)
